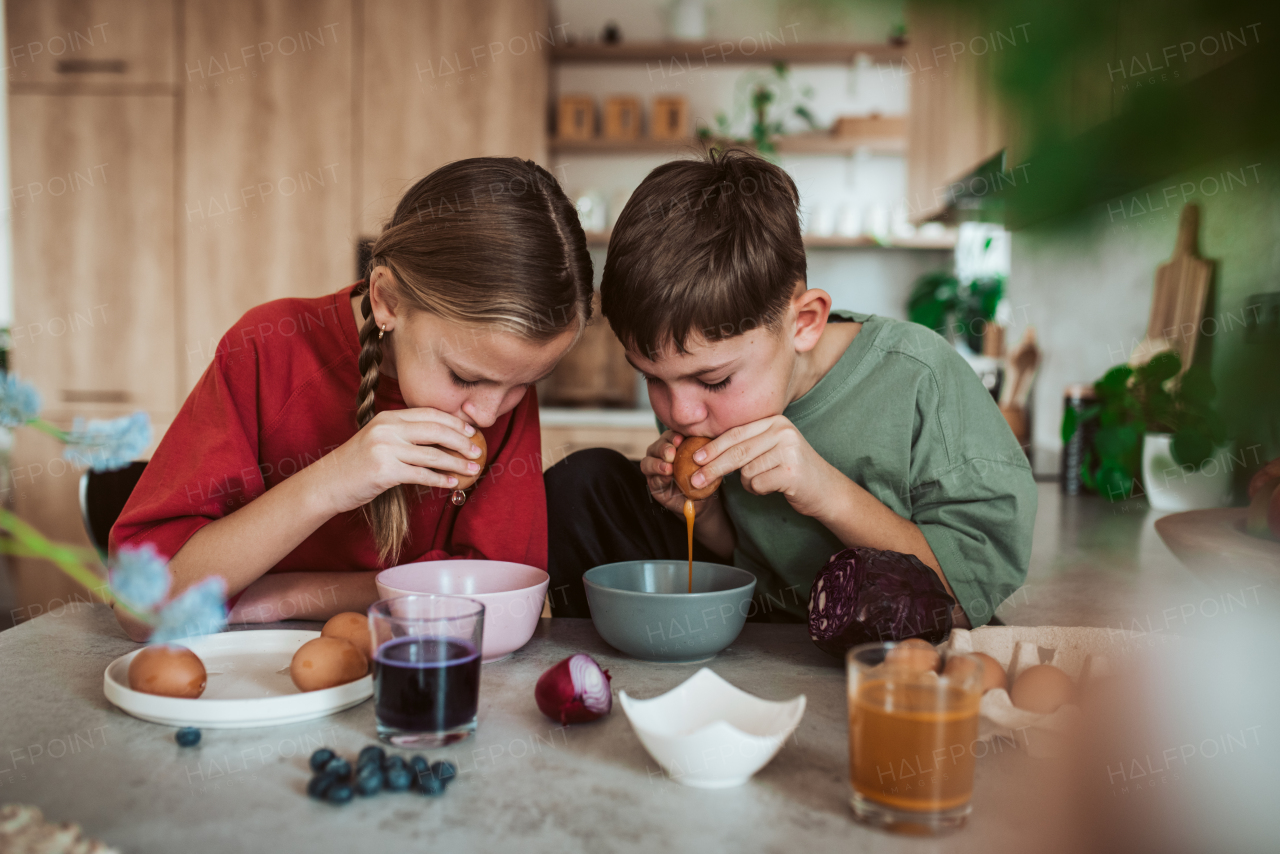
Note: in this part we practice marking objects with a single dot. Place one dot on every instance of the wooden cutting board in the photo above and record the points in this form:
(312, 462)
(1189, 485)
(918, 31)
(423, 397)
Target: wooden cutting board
(1177, 306)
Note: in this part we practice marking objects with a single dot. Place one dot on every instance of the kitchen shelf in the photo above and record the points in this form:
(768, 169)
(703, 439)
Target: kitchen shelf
(815, 143)
(698, 53)
(558, 416)
(643, 145)
(945, 241)
(820, 142)
(942, 241)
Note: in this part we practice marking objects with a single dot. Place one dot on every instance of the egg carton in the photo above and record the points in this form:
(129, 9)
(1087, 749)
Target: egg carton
(1082, 653)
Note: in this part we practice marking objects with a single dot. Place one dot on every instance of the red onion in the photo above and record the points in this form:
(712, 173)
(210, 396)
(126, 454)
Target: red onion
(574, 691)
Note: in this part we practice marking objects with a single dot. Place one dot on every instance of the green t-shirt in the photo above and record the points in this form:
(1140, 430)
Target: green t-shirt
(905, 417)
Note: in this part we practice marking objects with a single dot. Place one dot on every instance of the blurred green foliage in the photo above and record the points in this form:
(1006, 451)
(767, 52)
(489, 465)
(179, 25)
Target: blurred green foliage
(941, 302)
(1105, 96)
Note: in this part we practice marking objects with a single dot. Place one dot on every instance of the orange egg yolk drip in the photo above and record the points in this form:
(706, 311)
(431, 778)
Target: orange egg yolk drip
(688, 520)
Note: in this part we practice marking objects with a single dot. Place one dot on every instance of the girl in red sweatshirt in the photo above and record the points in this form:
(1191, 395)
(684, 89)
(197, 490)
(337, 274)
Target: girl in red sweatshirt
(315, 449)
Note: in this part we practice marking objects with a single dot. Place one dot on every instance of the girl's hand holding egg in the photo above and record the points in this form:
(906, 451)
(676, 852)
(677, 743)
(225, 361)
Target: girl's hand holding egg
(468, 480)
(422, 446)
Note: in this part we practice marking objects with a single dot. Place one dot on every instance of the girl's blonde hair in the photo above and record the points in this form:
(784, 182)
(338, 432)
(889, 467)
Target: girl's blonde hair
(489, 240)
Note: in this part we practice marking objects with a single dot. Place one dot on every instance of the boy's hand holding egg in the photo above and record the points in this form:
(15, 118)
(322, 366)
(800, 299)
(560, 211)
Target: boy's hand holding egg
(684, 468)
(662, 467)
(771, 456)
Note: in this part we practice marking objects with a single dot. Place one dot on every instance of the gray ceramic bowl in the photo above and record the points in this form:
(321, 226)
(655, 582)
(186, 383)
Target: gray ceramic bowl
(643, 607)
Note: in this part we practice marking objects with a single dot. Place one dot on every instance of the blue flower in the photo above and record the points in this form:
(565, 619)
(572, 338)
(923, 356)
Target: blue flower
(140, 576)
(108, 445)
(200, 610)
(19, 401)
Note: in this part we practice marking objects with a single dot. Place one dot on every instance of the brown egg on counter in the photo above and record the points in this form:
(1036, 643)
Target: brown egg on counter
(684, 468)
(465, 481)
(325, 662)
(993, 675)
(170, 671)
(351, 627)
(1042, 689)
(914, 654)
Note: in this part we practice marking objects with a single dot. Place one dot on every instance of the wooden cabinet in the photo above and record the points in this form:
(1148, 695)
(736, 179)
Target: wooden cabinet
(90, 42)
(93, 181)
(444, 81)
(92, 116)
(956, 121)
(177, 162)
(268, 170)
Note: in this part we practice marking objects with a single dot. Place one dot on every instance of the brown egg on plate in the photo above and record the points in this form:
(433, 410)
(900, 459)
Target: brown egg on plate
(465, 481)
(351, 627)
(993, 675)
(169, 671)
(325, 662)
(1042, 688)
(914, 654)
(684, 468)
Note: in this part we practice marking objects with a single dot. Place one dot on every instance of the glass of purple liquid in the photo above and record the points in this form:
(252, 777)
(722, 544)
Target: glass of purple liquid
(426, 668)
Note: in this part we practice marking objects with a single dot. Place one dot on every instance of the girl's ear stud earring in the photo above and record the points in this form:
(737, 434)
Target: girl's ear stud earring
(382, 330)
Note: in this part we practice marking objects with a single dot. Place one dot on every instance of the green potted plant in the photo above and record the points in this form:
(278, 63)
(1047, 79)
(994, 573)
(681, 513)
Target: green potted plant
(759, 92)
(1157, 430)
(941, 302)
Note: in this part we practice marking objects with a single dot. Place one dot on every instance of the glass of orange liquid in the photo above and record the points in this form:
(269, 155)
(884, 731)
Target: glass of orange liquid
(912, 734)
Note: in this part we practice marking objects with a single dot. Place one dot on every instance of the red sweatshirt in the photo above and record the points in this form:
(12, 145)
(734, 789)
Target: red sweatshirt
(279, 395)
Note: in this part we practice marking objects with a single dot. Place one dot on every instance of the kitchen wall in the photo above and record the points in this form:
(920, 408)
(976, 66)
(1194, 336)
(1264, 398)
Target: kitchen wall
(864, 279)
(1085, 282)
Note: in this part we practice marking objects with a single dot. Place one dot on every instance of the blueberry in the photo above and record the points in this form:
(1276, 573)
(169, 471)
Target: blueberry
(369, 780)
(339, 767)
(399, 778)
(392, 761)
(371, 754)
(320, 758)
(188, 736)
(339, 793)
(320, 784)
(444, 771)
(419, 765)
(430, 785)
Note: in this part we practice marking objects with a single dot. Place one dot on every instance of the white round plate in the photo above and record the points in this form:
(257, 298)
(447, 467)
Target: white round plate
(249, 685)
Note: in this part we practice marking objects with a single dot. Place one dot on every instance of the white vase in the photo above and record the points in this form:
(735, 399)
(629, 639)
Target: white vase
(1171, 486)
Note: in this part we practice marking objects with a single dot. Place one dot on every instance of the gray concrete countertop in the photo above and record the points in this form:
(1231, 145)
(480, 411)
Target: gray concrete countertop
(523, 780)
(526, 783)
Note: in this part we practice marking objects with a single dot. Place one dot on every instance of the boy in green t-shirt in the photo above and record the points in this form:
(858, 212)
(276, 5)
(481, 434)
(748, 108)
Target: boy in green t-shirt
(844, 430)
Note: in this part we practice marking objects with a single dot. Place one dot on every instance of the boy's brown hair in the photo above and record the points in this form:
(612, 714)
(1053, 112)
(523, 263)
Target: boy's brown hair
(707, 247)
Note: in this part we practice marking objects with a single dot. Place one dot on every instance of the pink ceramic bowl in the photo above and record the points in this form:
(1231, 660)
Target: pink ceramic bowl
(512, 595)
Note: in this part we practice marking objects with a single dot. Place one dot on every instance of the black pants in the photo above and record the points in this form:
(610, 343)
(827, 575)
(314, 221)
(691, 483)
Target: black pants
(599, 511)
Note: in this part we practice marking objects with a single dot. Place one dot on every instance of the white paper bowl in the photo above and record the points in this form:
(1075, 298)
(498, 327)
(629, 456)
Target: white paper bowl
(249, 685)
(709, 734)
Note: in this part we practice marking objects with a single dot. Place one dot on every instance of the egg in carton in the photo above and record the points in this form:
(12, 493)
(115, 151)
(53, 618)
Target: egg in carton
(1082, 653)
